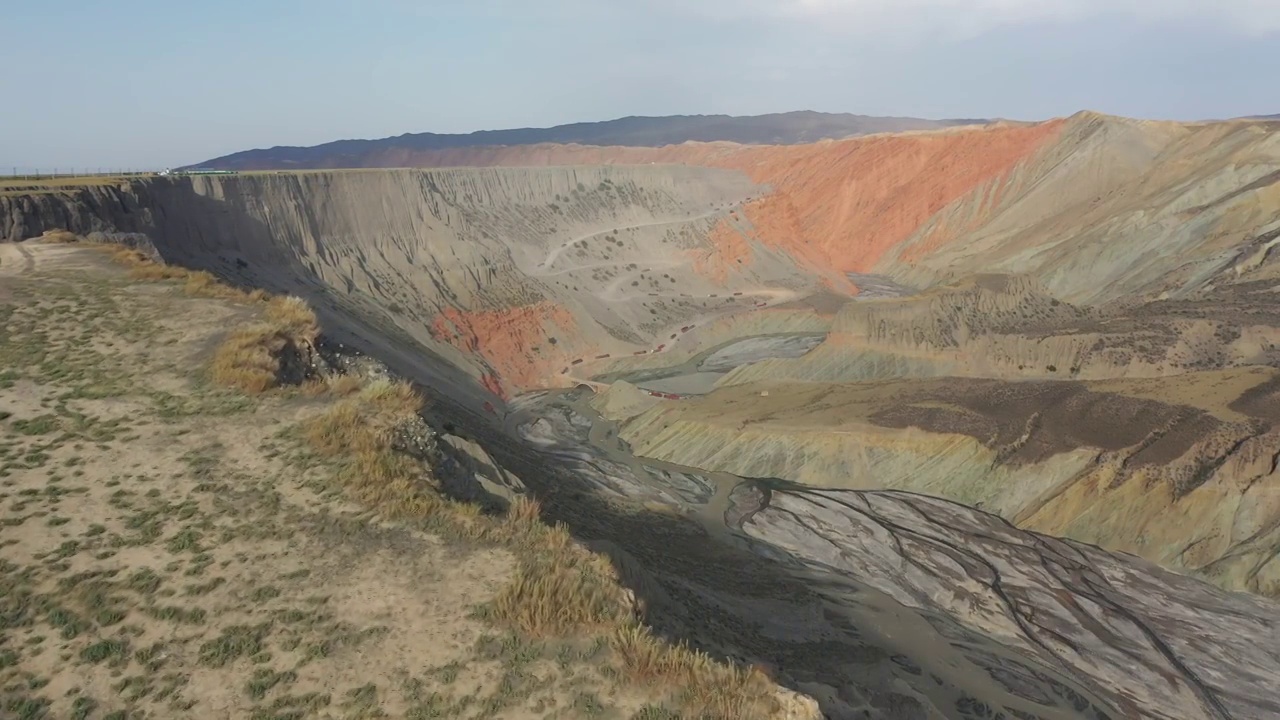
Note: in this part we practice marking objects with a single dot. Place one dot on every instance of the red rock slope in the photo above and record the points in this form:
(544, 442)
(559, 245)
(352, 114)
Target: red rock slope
(842, 203)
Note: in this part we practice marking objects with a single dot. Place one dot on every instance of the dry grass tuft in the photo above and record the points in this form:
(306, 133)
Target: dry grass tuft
(200, 282)
(249, 358)
(292, 316)
(524, 514)
(709, 689)
(59, 237)
(247, 361)
(366, 422)
(561, 588)
(338, 386)
(361, 430)
(142, 267)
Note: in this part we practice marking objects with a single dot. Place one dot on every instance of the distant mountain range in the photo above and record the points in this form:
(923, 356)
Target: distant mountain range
(776, 129)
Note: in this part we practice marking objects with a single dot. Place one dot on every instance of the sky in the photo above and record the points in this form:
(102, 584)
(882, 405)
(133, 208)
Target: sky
(156, 83)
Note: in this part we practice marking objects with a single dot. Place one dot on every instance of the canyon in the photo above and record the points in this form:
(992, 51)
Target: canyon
(977, 421)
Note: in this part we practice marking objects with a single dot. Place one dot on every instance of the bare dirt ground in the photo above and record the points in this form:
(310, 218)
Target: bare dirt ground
(170, 549)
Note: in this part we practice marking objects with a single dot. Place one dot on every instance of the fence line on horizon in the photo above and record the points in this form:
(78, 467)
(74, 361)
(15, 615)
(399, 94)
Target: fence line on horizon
(32, 173)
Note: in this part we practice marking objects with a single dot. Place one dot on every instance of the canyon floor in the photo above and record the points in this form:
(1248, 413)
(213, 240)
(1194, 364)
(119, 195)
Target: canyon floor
(974, 423)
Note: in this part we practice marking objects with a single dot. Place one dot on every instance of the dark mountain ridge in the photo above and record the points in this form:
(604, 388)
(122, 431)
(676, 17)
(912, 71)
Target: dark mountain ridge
(775, 129)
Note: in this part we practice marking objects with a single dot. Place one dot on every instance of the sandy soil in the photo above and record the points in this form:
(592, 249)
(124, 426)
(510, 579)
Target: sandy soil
(169, 549)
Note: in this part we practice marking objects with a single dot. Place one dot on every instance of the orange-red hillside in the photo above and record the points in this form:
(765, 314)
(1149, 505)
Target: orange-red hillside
(515, 342)
(854, 199)
(840, 204)
(728, 249)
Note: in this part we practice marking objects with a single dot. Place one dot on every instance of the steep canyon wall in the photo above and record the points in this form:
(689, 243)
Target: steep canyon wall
(1096, 207)
(514, 273)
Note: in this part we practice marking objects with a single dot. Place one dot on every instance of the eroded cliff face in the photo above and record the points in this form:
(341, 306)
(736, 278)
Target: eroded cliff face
(1117, 208)
(26, 212)
(1095, 207)
(512, 273)
(856, 199)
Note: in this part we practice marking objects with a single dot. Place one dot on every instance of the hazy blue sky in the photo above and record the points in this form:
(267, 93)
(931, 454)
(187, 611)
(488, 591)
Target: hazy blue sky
(150, 83)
